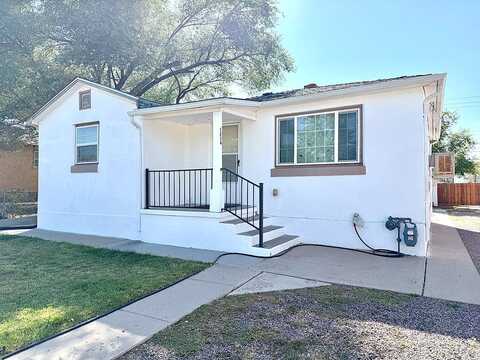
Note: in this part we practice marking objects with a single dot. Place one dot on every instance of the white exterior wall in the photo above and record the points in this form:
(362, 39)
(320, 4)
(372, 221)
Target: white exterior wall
(170, 145)
(320, 208)
(104, 203)
(317, 208)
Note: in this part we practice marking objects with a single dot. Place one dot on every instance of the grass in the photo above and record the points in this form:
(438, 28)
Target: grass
(46, 287)
(329, 322)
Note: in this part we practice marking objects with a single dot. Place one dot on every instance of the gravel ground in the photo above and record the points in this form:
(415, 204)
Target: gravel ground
(471, 239)
(330, 322)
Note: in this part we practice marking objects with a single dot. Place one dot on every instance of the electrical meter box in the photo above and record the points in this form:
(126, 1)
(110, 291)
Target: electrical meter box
(410, 234)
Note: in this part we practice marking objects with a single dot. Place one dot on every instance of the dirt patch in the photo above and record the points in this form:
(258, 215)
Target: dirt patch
(331, 322)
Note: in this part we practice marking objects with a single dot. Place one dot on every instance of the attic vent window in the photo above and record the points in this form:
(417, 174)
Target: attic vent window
(85, 100)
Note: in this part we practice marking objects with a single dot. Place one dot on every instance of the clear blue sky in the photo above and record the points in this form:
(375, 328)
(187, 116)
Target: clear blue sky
(344, 40)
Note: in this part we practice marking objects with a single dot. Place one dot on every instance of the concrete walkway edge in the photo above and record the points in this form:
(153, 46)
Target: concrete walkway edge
(118, 332)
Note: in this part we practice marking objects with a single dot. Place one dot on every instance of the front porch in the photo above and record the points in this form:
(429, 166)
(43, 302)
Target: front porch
(195, 190)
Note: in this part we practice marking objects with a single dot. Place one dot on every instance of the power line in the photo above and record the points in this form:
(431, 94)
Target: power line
(465, 97)
(463, 103)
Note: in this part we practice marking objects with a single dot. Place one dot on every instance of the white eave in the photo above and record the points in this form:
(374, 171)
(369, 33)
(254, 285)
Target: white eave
(210, 105)
(32, 120)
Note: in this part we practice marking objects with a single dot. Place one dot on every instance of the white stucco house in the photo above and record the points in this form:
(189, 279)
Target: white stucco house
(254, 175)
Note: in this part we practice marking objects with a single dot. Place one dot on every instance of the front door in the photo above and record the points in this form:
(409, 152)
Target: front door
(230, 159)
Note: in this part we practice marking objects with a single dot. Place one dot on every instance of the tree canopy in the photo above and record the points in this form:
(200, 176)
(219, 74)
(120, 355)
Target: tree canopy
(168, 51)
(460, 142)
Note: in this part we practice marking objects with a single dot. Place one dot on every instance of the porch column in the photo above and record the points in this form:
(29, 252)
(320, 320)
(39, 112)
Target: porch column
(216, 193)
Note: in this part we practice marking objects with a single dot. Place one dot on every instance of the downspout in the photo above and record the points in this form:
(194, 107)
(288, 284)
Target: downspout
(138, 124)
(431, 106)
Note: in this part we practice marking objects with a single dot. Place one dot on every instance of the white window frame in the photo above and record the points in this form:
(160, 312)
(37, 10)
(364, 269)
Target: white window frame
(295, 136)
(80, 126)
(80, 100)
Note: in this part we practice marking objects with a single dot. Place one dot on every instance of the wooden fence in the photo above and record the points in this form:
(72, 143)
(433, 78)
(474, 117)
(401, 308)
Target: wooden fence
(458, 194)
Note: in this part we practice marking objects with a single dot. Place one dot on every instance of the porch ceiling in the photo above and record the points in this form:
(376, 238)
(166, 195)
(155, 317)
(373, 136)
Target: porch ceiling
(195, 118)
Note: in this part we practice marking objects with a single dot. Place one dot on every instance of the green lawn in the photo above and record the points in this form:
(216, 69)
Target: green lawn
(328, 322)
(46, 287)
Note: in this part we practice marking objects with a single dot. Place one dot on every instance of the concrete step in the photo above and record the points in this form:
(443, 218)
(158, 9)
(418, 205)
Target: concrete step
(270, 244)
(236, 221)
(239, 226)
(280, 243)
(269, 232)
(244, 211)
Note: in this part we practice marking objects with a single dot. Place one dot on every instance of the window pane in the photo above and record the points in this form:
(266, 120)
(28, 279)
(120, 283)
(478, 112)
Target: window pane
(301, 156)
(230, 139)
(87, 153)
(85, 100)
(286, 141)
(315, 138)
(87, 135)
(230, 162)
(347, 136)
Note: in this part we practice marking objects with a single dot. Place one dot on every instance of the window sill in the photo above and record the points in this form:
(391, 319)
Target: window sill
(319, 170)
(84, 168)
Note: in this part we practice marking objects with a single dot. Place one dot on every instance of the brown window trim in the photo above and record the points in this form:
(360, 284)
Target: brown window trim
(87, 123)
(319, 170)
(80, 99)
(356, 168)
(84, 168)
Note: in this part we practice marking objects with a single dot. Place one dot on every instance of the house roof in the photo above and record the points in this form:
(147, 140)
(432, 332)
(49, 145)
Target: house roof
(270, 97)
(309, 92)
(316, 89)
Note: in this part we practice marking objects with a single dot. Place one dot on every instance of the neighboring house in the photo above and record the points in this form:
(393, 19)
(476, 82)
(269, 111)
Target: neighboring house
(18, 169)
(112, 164)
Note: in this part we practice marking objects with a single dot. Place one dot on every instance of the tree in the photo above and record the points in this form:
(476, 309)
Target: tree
(459, 142)
(168, 51)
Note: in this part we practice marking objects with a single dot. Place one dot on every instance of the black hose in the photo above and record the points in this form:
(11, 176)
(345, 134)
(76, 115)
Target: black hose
(376, 252)
(380, 252)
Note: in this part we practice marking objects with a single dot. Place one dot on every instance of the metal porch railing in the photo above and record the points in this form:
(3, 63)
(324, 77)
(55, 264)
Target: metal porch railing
(244, 200)
(185, 188)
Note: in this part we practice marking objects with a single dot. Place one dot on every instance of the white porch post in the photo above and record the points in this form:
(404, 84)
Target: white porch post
(216, 193)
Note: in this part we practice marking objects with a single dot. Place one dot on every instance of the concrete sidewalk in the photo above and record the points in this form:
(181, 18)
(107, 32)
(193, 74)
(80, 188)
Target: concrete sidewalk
(118, 332)
(120, 244)
(451, 273)
(19, 222)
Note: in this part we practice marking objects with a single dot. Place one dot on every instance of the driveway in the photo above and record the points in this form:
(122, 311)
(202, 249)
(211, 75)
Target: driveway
(466, 219)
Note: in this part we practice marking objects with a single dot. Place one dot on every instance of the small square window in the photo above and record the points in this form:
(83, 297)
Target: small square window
(85, 100)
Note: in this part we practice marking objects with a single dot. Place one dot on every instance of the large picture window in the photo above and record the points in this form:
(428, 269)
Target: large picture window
(319, 138)
(86, 144)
